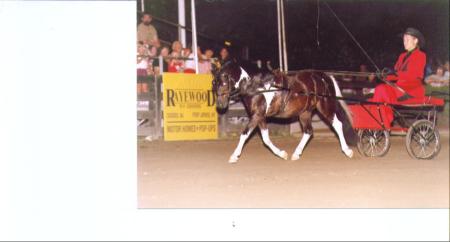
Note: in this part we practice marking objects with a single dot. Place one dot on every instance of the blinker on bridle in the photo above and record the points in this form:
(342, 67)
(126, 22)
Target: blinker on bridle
(232, 93)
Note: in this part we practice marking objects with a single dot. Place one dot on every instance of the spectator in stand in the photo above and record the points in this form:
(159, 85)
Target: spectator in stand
(428, 68)
(147, 32)
(189, 64)
(446, 70)
(439, 79)
(142, 65)
(152, 55)
(364, 70)
(204, 65)
(176, 64)
(371, 86)
(372, 77)
(202, 62)
(164, 53)
(224, 55)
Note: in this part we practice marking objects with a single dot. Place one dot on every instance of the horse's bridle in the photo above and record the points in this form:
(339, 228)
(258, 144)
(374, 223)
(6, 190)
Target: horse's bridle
(233, 94)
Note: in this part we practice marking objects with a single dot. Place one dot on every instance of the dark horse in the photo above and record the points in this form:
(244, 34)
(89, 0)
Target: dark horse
(277, 95)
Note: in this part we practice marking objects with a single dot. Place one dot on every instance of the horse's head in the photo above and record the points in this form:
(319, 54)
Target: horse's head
(226, 82)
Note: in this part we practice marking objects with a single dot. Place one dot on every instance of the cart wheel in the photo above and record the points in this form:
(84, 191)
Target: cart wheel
(422, 140)
(373, 143)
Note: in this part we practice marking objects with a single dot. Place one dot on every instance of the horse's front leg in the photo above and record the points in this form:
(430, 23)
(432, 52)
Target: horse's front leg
(253, 122)
(265, 137)
(244, 136)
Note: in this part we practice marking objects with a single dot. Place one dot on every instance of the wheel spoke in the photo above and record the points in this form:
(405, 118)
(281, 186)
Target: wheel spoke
(422, 151)
(380, 136)
(430, 136)
(417, 149)
(418, 132)
(378, 148)
(416, 138)
(371, 149)
(373, 143)
(380, 142)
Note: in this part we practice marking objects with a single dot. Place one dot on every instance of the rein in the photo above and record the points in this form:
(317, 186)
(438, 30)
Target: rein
(379, 72)
(309, 94)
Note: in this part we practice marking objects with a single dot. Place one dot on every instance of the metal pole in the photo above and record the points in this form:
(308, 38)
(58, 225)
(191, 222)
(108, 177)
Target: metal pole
(284, 37)
(142, 6)
(280, 54)
(182, 22)
(194, 35)
(161, 63)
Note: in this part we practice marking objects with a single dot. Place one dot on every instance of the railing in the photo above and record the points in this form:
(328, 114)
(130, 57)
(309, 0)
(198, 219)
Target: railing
(161, 59)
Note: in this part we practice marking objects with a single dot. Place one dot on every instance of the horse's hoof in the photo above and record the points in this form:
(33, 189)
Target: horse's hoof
(349, 153)
(295, 157)
(284, 155)
(233, 160)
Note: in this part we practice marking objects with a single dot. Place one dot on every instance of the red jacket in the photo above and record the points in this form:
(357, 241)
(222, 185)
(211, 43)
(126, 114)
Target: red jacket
(410, 70)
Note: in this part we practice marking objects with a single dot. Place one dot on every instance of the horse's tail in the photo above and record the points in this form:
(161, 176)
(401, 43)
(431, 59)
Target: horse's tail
(345, 116)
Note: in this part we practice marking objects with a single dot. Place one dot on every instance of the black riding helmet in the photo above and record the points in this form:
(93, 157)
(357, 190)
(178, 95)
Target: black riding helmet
(416, 33)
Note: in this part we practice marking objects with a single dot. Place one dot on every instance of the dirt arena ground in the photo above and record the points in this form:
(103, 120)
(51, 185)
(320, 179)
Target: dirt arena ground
(197, 175)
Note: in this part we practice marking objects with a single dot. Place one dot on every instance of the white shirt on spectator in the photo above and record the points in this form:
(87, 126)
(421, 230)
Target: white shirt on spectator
(143, 64)
(190, 64)
(204, 67)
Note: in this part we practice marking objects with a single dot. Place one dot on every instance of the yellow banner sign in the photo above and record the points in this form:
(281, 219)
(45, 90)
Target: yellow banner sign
(189, 107)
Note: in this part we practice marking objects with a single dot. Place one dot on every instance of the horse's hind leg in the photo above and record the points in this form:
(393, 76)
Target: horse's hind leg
(265, 137)
(337, 125)
(306, 126)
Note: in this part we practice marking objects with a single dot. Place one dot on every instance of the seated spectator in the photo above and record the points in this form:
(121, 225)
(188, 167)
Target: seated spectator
(189, 64)
(204, 65)
(147, 32)
(439, 79)
(428, 68)
(176, 64)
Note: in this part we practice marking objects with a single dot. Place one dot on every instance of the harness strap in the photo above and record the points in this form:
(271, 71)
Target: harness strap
(284, 103)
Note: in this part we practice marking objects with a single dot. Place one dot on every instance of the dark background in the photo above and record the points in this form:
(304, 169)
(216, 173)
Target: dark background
(376, 24)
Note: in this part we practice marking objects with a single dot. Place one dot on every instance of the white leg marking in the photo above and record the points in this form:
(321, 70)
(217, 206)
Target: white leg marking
(337, 125)
(299, 150)
(275, 150)
(336, 87)
(237, 152)
(342, 102)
